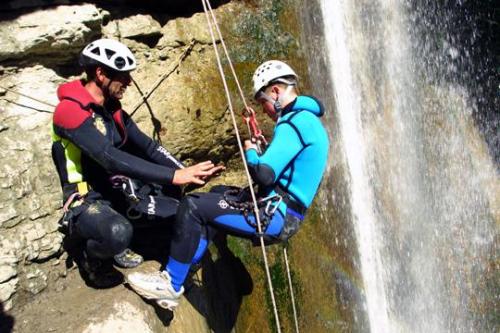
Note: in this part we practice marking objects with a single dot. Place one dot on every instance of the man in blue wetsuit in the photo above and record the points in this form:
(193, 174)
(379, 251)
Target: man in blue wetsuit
(288, 173)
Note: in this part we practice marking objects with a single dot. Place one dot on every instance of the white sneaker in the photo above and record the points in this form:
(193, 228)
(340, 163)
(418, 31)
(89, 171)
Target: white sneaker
(156, 286)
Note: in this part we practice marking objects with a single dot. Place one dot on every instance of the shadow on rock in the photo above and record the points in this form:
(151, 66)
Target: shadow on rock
(164, 315)
(225, 282)
(6, 321)
(97, 274)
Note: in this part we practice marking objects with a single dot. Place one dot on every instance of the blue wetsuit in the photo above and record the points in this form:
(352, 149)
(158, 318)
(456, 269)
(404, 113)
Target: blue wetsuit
(292, 166)
(296, 158)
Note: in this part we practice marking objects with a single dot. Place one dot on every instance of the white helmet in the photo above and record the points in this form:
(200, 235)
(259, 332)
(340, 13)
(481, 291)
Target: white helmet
(110, 53)
(271, 71)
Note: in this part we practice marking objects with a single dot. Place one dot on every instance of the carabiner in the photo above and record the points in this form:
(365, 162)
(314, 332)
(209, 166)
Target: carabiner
(275, 198)
(132, 194)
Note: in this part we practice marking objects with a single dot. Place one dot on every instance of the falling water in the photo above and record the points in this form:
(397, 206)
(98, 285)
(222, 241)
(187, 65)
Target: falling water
(424, 187)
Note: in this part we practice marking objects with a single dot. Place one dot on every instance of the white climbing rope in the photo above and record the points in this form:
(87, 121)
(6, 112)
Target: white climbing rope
(291, 290)
(208, 9)
(249, 178)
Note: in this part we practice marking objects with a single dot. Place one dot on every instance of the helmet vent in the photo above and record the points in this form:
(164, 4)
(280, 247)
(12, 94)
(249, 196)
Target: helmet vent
(120, 62)
(96, 51)
(109, 53)
(130, 61)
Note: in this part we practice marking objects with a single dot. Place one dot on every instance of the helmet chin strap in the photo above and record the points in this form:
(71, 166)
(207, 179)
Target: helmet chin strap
(278, 104)
(105, 88)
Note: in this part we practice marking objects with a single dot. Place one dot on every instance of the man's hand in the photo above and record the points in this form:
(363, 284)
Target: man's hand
(248, 144)
(196, 174)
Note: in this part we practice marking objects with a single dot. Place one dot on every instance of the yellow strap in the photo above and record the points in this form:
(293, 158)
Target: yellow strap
(82, 188)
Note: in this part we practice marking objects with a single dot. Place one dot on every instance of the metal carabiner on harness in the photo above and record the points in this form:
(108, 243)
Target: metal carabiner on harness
(253, 128)
(270, 209)
(126, 185)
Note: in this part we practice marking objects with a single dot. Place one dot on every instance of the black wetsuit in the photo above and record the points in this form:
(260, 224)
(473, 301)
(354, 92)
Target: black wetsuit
(91, 143)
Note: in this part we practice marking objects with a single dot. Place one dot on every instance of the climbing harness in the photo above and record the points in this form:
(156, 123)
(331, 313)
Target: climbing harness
(127, 186)
(238, 199)
(67, 214)
(145, 200)
(74, 201)
(212, 22)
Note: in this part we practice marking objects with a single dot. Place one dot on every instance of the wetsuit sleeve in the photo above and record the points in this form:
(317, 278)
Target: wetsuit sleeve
(98, 147)
(154, 151)
(285, 146)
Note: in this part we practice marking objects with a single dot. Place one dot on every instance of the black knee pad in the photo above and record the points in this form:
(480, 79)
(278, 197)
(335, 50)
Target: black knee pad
(120, 234)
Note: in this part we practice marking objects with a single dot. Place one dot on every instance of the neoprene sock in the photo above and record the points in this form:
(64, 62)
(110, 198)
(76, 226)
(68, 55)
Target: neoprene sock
(178, 272)
(200, 251)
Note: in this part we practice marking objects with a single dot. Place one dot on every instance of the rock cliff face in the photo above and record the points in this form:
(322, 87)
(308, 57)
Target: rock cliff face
(186, 110)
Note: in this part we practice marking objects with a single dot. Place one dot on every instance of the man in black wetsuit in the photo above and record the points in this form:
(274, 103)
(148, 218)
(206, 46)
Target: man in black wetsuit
(93, 140)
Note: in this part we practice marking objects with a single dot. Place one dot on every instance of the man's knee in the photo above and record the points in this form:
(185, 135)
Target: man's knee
(187, 209)
(187, 223)
(119, 234)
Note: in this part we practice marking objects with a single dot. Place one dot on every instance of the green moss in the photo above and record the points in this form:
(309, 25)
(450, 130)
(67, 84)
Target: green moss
(269, 39)
(281, 290)
(240, 248)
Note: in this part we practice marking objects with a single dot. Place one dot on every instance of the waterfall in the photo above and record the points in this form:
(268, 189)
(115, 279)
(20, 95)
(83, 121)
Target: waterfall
(422, 180)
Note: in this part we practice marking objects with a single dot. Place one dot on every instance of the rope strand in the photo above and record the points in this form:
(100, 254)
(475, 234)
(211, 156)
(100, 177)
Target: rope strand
(26, 106)
(148, 93)
(242, 95)
(240, 146)
(291, 290)
(27, 96)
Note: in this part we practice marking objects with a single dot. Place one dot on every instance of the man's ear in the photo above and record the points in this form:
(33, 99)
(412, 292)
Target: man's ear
(100, 74)
(276, 89)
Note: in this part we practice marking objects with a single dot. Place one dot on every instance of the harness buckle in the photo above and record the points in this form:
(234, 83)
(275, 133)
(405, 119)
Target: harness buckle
(132, 196)
(126, 185)
(65, 221)
(83, 188)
